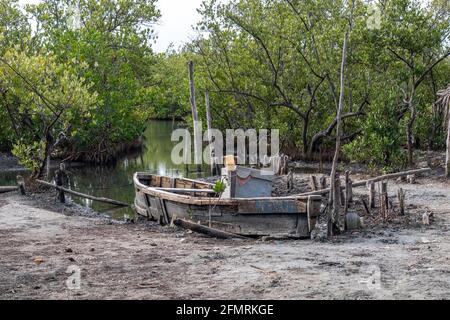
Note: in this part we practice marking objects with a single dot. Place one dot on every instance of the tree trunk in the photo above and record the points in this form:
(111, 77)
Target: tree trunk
(45, 161)
(197, 139)
(47, 166)
(334, 201)
(434, 127)
(409, 134)
(11, 118)
(305, 135)
(44, 167)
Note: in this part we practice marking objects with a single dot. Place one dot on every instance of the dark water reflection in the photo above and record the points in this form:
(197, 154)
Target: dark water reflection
(116, 182)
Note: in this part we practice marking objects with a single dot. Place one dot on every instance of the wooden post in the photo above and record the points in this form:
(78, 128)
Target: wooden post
(401, 200)
(372, 195)
(349, 187)
(61, 180)
(21, 184)
(323, 182)
(333, 219)
(383, 199)
(290, 180)
(47, 167)
(214, 168)
(285, 164)
(313, 183)
(342, 195)
(347, 192)
(320, 160)
(381, 208)
(339, 201)
(197, 139)
(386, 197)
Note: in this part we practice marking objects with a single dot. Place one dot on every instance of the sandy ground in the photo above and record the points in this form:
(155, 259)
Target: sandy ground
(44, 247)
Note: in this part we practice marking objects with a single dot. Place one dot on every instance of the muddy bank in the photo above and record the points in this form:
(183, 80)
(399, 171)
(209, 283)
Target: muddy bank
(42, 241)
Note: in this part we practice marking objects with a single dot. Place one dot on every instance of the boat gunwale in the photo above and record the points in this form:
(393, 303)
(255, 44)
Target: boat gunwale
(194, 200)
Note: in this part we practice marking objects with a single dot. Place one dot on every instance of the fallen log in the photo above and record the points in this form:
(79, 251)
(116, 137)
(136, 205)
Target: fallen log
(365, 182)
(391, 176)
(206, 230)
(8, 189)
(82, 195)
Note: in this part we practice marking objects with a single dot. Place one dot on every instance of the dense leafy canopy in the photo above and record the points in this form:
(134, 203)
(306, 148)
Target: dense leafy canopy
(266, 64)
(278, 62)
(103, 44)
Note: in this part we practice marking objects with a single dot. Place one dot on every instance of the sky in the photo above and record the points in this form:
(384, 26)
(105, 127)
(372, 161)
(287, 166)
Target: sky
(174, 26)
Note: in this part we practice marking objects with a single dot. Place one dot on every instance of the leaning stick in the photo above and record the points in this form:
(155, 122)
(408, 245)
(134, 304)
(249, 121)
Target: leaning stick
(8, 189)
(82, 195)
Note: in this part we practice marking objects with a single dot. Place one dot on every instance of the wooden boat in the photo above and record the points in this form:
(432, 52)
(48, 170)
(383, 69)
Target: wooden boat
(162, 199)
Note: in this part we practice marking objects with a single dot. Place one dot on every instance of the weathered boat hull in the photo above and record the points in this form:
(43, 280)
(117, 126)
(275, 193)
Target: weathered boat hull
(290, 216)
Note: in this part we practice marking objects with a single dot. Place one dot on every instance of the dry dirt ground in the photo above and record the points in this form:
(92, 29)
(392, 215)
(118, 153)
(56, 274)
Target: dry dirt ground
(44, 246)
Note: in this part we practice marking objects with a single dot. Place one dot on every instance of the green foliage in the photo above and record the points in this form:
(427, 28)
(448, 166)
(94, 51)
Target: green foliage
(14, 27)
(29, 154)
(190, 213)
(170, 97)
(380, 143)
(45, 101)
(111, 41)
(82, 53)
(274, 64)
(6, 132)
(219, 187)
(88, 74)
